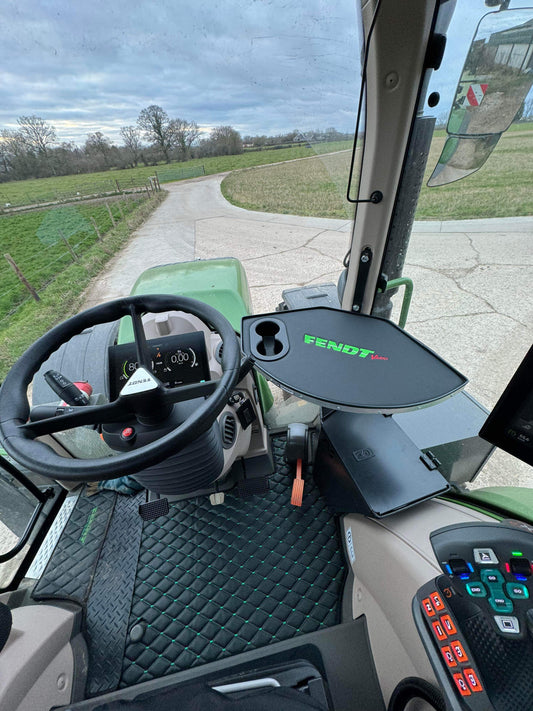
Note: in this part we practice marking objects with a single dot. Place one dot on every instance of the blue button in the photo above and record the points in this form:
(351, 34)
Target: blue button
(516, 591)
(501, 604)
(476, 589)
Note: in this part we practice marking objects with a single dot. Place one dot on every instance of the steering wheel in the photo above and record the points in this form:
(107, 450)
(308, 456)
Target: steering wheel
(19, 437)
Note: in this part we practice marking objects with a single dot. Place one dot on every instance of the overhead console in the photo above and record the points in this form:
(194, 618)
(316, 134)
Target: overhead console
(476, 620)
(360, 369)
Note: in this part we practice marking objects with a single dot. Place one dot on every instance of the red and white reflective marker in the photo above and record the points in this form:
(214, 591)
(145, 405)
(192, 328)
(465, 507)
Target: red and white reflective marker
(475, 94)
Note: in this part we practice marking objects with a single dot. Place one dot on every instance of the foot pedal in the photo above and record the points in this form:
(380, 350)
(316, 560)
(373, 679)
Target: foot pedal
(298, 486)
(154, 509)
(257, 486)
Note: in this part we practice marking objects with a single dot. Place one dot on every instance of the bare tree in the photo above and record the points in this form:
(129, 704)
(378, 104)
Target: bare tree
(182, 135)
(99, 145)
(132, 142)
(155, 123)
(226, 140)
(36, 134)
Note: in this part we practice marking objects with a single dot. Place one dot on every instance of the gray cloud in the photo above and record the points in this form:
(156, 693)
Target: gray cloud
(264, 66)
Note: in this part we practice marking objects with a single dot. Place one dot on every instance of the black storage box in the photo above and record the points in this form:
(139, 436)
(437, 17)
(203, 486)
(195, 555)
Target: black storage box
(367, 464)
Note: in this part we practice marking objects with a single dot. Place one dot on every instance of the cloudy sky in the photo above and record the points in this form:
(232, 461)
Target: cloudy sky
(262, 66)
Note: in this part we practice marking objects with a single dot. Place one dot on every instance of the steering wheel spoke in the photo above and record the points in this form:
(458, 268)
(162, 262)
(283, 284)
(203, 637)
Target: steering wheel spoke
(78, 417)
(141, 346)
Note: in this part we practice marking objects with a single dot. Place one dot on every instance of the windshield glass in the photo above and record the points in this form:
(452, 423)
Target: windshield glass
(470, 251)
(235, 122)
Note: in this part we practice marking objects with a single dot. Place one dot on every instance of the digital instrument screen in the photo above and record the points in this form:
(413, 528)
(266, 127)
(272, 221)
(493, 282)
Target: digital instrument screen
(510, 424)
(176, 360)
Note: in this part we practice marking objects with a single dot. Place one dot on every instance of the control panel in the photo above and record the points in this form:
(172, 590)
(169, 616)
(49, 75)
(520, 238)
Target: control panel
(476, 620)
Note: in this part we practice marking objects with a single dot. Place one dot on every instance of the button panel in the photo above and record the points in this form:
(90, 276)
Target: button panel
(488, 575)
(454, 653)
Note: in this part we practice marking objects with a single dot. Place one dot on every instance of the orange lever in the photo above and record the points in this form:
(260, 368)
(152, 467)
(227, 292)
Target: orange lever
(297, 485)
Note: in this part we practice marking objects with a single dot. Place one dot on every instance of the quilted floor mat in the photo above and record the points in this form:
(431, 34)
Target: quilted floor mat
(214, 581)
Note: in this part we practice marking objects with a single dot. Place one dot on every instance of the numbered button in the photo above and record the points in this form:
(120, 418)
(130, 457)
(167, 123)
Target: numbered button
(448, 625)
(448, 656)
(472, 679)
(428, 607)
(439, 631)
(461, 684)
(437, 601)
(459, 651)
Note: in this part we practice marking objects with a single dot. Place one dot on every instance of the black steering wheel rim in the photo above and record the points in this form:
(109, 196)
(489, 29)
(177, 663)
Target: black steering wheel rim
(39, 457)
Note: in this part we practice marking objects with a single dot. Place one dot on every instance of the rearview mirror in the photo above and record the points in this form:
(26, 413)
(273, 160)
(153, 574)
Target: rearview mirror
(496, 79)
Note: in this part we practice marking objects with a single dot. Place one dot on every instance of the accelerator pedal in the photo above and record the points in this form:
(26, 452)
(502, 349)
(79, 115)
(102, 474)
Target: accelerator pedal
(153, 509)
(297, 452)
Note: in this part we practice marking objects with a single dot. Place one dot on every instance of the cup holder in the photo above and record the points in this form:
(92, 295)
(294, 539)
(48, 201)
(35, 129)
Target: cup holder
(269, 339)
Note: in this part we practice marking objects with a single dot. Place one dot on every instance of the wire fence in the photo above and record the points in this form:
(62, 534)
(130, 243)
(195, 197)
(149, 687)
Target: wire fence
(37, 247)
(77, 191)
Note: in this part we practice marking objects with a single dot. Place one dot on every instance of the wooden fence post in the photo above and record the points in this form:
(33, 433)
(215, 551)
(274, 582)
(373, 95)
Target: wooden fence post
(118, 186)
(111, 215)
(70, 249)
(93, 222)
(21, 276)
(121, 211)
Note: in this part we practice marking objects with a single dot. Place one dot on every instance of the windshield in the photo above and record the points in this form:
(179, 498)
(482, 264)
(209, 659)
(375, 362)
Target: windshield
(234, 123)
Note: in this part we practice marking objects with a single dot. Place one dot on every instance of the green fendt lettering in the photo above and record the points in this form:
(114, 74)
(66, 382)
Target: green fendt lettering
(334, 346)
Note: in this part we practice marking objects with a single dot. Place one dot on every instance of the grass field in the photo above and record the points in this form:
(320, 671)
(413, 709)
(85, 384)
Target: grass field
(503, 187)
(29, 192)
(37, 241)
(60, 298)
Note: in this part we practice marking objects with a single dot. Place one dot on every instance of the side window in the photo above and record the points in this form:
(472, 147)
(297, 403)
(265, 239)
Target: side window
(24, 511)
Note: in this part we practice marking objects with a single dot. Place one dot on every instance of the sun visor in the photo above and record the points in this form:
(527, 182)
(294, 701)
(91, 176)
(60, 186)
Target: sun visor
(347, 361)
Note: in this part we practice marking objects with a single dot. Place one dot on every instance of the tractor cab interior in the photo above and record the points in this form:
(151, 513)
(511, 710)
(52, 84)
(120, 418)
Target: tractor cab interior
(222, 509)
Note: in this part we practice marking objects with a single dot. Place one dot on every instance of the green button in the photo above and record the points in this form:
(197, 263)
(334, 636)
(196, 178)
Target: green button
(517, 591)
(501, 604)
(476, 589)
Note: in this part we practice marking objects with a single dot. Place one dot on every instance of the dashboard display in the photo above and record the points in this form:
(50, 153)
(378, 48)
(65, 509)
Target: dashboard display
(176, 360)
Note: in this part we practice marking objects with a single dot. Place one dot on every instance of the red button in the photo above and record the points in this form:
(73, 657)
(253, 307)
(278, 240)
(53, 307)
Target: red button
(437, 601)
(428, 607)
(473, 681)
(448, 656)
(459, 651)
(448, 625)
(439, 631)
(127, 433)
(460, 683)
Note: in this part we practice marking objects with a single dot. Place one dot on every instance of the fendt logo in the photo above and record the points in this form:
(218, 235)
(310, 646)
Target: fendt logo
(345, 348)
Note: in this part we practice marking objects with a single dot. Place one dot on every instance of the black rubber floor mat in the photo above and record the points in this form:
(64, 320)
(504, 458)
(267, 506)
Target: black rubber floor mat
(214, 581)
(108, 608)
(70, 570)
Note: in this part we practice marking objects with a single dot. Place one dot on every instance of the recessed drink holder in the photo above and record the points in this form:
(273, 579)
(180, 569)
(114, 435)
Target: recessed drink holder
(268, 339)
